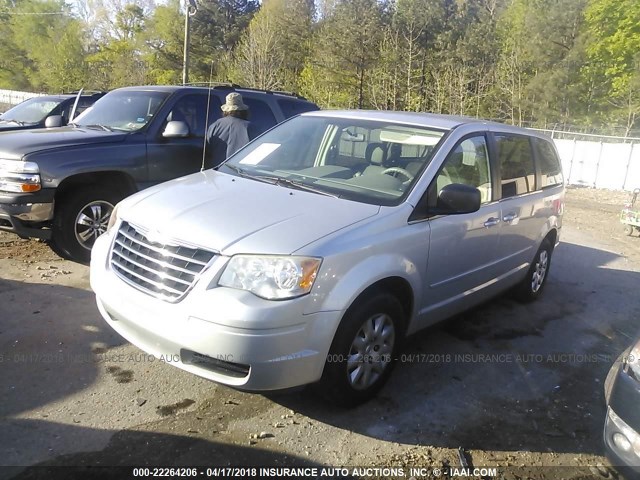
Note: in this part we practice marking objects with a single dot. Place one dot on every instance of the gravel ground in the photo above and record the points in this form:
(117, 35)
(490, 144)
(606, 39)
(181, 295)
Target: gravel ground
(518, 388)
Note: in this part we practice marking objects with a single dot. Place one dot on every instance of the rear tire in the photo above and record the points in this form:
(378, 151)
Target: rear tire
(81, 216)
(531, 287)
(363, 351)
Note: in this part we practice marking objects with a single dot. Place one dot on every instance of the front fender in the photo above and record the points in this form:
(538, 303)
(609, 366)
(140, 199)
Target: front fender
(337, 289)
(57, 165)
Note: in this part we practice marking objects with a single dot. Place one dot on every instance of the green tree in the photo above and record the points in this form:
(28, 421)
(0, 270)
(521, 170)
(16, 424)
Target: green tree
(613, 43)
(346, 50)
(276, 44)
(44, 39)
(164, 41)
(216, 29)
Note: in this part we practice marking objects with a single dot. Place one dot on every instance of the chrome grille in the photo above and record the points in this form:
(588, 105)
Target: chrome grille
(166, 271)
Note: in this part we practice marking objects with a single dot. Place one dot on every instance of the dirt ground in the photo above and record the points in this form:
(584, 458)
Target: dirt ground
(518, 388)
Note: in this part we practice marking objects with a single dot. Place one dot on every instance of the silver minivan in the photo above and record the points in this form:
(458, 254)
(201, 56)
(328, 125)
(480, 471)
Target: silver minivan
(313, 252)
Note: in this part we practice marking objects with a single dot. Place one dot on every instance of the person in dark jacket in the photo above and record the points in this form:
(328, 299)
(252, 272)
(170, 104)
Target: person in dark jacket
(231, 132)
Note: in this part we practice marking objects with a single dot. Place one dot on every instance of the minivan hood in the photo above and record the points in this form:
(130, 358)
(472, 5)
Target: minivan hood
(234, 215)
(22, 142)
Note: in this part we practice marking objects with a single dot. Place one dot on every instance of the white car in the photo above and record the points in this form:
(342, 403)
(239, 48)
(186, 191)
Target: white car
(311, 253)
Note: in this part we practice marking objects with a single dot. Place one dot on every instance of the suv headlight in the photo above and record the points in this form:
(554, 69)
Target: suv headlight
(632, 362)
(271, 277)
(19, 177)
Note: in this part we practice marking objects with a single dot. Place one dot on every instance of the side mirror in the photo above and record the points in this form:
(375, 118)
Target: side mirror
(53, 121)
(176, 129)
(457, 198)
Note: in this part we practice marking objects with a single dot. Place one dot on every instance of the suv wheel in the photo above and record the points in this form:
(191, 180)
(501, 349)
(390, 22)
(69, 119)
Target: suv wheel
(363, 351)
(532, 285)
(628, 229)
(81, 217)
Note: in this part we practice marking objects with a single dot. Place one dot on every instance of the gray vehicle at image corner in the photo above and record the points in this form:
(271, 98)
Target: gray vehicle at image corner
(311, 253)
(61, 184)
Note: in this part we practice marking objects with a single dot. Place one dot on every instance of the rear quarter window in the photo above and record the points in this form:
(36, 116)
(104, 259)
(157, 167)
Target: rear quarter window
(260, 114)
(550, 168)
(291, 107)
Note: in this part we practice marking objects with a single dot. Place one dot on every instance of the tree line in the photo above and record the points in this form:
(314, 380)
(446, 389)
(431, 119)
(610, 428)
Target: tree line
(545, 63)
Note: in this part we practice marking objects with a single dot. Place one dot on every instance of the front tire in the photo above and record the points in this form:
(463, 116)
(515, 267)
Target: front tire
(532, 285)
(81, 217)
(628, 230)
(363, 351)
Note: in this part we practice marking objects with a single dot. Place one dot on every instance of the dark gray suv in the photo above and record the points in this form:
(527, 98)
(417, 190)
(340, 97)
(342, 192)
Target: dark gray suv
(61, 184)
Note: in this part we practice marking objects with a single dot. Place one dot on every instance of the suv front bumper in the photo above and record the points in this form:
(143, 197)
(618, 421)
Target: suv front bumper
(24, 213)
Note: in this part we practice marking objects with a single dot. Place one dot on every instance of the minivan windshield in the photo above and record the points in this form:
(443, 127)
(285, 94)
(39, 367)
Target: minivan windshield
(363, 160)
(31, 111)
(122, 110)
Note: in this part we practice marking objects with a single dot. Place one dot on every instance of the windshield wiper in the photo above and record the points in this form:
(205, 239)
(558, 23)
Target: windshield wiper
(240, 171)
(98, 125)
(282, 182)
(287, 182)
(17, 122)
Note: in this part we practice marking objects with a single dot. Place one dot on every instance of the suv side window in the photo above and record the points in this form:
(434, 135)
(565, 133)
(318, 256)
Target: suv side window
(516, 165)
(468, 163)
(191, 109)
(260, 115)
(292, 107)
(550, 169)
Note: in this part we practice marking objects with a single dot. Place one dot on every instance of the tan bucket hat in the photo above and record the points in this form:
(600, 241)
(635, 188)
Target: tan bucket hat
(234, 103)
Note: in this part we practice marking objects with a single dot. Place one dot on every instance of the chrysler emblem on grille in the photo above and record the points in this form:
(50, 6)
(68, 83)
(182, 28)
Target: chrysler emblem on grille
(155, 236)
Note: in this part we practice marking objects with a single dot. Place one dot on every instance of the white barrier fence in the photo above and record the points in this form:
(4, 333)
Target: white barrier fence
(598, 161)
(614, 166)
(14, 97)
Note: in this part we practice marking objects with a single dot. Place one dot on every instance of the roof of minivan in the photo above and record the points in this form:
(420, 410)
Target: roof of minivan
(446, 122)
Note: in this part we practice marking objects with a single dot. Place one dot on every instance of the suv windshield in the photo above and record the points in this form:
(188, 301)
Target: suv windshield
(363, 160)
(34, 110)
(122, 110)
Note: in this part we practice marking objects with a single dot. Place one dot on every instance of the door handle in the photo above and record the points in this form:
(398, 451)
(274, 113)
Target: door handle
(492, 222)
(510, 217)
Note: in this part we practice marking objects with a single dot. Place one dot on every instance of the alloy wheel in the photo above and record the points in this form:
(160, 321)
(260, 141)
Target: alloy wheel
(92, 221)
(370, 352)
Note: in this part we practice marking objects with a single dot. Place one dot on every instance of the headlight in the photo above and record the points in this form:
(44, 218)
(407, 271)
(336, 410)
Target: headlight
(632, 362)
(271, 277)
(113, 219)
(19, 177)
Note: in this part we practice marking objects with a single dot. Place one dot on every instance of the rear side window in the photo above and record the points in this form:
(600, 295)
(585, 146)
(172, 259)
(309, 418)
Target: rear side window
(291, 107)
(260, 115)
(550, 169)
(516, 165)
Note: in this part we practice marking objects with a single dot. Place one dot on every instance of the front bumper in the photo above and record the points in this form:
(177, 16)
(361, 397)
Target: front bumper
(225, 335)
(623, 418)
(24, 214)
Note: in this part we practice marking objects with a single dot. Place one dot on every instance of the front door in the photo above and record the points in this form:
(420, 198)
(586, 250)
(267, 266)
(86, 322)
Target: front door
(463, 248)
(175, 157)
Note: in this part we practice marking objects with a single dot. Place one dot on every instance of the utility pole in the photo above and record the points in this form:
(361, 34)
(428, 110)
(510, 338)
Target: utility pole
(192, 8)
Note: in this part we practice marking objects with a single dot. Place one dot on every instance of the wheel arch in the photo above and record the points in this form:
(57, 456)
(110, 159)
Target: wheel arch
(121, 181)
(552, 236)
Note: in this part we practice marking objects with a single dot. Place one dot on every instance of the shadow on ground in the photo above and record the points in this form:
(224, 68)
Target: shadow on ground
(507, 376)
